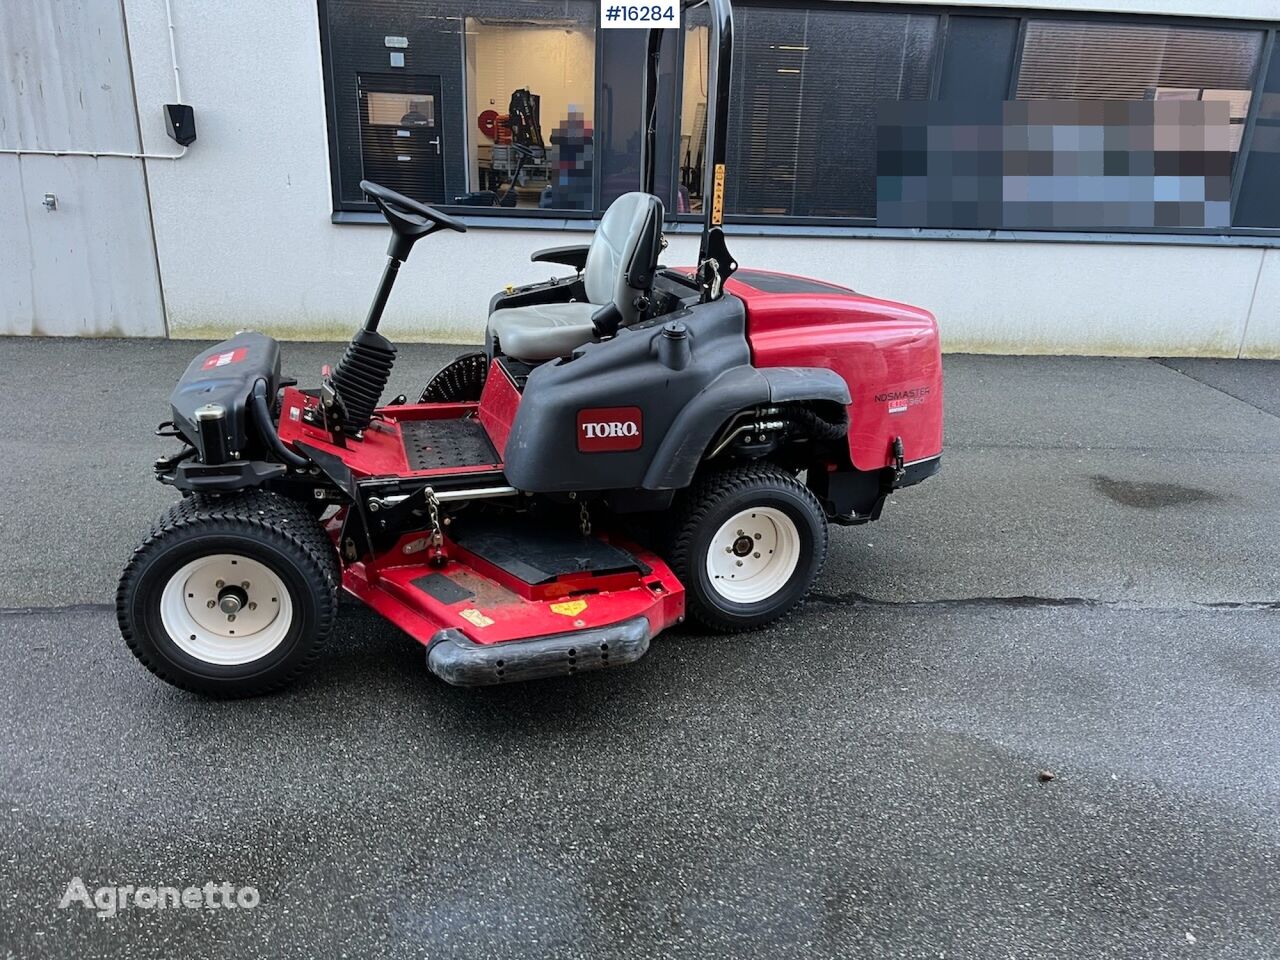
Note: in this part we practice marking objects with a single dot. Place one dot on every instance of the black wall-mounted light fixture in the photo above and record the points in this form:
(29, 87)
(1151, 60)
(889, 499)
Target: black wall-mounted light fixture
(181, 122)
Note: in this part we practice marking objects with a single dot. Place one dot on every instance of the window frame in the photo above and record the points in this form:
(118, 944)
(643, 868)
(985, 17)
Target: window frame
(347, 212)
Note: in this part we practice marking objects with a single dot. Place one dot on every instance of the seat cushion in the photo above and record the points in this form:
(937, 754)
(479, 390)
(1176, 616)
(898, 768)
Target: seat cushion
(543, 331)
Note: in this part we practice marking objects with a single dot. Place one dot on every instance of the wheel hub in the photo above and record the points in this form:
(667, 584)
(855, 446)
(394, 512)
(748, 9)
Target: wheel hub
(232, 599)
(753, 555)
(226, 608)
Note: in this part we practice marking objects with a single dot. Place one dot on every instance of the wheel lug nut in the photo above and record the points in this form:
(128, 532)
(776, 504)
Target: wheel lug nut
(739, 533)
(756, 555)
(220, 584)
(254, 606)
(210, 604)
(244, 584)
(739, 563)
(231, 617)
(757, 536)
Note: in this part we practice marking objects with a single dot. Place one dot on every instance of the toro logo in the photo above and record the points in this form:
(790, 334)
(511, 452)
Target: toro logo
(608, 429)
(225, 359)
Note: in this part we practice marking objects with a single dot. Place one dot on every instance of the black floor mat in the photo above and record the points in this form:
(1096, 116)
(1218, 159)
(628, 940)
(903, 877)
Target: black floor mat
(538, 553)
(440, 444)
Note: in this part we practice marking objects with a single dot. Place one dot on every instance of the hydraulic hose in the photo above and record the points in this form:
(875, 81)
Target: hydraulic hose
(820, 428)
(267, 429)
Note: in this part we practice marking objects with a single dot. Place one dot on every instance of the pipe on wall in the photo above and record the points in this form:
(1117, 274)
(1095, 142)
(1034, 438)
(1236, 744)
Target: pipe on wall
(116, 154)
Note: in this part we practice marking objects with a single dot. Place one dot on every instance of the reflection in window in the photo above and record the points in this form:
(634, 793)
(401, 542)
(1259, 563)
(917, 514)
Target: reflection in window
(1076, 60)
(400, 138)
(802, 118)
(693, 113)
(530, 99)
(400, 110)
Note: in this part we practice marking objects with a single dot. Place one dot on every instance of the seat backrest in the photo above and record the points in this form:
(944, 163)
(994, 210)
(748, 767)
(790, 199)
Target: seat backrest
(624, 253)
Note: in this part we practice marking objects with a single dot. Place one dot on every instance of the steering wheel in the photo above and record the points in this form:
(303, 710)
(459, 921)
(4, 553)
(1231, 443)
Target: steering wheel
(407, 217)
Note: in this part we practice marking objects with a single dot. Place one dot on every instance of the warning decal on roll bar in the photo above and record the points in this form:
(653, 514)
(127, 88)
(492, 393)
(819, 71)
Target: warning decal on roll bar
(717, 197)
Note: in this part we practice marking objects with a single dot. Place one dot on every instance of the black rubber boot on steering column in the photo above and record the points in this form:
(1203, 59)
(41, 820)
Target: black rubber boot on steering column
(361, 376)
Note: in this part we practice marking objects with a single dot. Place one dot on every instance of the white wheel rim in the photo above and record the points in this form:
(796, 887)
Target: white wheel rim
(753, 555)
(226, 609)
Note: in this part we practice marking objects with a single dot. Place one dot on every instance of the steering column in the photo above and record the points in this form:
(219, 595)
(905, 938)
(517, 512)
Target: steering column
(351, 394)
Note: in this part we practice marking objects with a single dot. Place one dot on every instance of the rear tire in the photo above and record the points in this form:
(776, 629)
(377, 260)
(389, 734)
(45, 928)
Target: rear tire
(462, 379)
(230, 596)
(748, 544)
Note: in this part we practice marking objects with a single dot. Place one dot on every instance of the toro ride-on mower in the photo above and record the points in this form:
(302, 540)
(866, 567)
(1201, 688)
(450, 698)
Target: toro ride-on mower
(635, 444)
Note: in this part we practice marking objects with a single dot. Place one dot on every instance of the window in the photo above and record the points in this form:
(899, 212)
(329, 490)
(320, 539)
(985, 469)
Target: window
(463, 102)
(620, 122)
(802, 118)
(531, 91)
(1004, 119)
(1258, 204)
(1117, 125)
(1069, 60)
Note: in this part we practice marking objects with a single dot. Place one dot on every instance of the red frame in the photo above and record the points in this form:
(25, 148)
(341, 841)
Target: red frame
(380, 452)
(504, 608)
(499, 401)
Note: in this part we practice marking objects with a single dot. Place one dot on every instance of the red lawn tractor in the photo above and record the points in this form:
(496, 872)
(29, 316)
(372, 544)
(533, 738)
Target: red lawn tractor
(634, 445)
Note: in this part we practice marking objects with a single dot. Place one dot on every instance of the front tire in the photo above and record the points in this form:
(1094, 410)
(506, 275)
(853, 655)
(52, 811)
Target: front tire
(748, 544)
(230, 596)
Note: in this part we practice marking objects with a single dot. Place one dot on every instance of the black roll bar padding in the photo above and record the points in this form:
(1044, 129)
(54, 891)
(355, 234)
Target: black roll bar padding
(266, 429)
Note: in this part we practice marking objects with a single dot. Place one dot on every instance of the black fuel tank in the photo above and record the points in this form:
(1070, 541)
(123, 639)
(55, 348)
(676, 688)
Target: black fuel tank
(596, 420)
(224, 375)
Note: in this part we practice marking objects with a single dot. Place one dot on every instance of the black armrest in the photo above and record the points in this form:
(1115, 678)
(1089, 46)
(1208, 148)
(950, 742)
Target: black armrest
(575, 257)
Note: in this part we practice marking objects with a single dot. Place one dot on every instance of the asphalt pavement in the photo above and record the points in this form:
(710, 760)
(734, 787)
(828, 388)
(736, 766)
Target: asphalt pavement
(1087, 590)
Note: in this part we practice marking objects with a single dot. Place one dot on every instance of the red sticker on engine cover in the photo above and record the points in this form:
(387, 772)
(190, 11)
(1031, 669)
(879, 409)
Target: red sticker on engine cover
(607, 429)
(225, 359)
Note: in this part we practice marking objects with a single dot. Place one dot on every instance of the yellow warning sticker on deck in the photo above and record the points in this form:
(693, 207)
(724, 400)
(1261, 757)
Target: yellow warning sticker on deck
(476, 618)
(569, 608)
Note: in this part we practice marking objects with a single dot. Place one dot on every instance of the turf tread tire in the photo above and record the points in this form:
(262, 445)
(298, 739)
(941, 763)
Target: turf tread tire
(705, 498)
(461, 380)
(287, 525)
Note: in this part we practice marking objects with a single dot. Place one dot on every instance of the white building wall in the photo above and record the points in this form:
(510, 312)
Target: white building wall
(244, 238)
(1262, 326)
(87, 266)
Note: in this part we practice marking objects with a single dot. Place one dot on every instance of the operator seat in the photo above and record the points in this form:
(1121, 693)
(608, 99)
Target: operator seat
(618, 273)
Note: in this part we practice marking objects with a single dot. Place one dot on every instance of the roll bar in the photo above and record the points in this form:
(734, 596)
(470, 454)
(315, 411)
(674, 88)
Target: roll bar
(715, 265)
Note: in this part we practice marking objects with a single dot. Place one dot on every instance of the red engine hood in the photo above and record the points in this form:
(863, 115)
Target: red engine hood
(888, 353)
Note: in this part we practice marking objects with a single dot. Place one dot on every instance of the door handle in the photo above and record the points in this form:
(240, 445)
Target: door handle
(435, 143)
